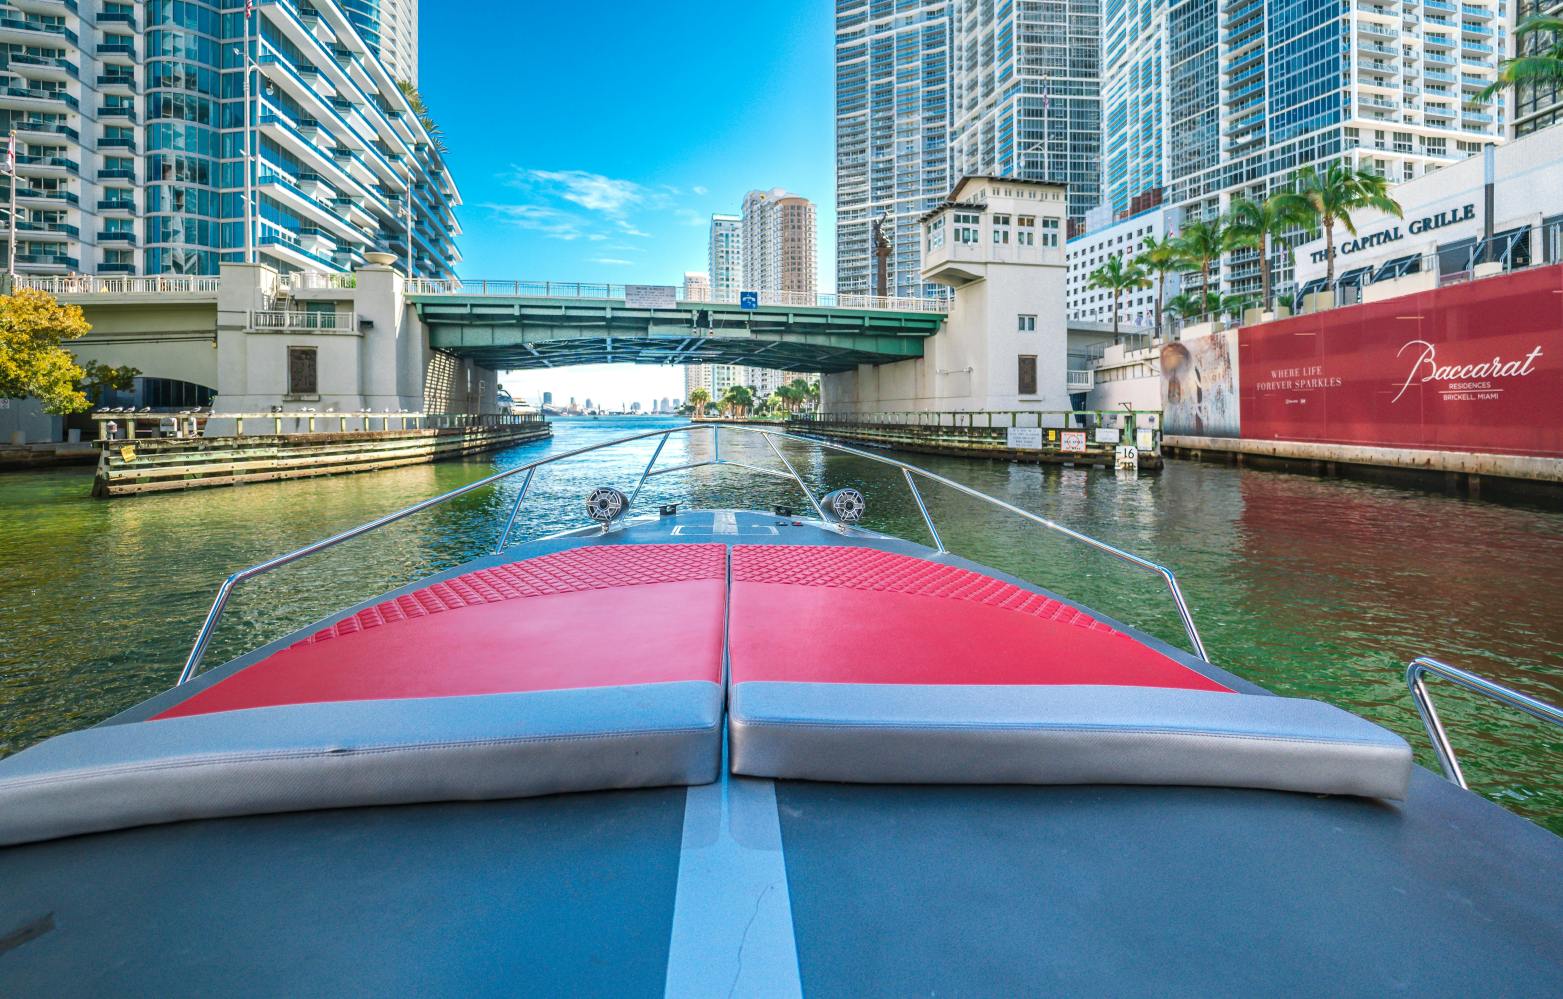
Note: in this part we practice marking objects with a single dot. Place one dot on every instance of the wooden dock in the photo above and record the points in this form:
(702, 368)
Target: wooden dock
(151, 465)
(994, 435)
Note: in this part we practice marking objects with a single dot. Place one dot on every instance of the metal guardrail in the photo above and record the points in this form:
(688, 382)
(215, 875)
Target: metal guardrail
(320, 322)
(615, 292)
(1416, 679)
(301, 421)
(909, 473)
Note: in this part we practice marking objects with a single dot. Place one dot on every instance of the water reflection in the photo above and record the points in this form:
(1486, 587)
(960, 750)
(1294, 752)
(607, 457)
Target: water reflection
(1311, 587)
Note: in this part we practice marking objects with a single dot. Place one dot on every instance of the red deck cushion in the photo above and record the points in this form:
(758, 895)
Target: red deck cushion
(858, 615)
(587, 617)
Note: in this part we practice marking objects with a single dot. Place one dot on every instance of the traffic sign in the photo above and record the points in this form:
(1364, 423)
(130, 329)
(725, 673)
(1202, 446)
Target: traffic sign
(749, 300)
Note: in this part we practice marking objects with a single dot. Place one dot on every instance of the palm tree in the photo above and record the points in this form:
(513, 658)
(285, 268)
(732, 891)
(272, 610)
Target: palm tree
(1254, 225)
(1331, 196)
(1199, 243)
(1540, 67)
(1186, 306)
(737, 400)
(1118, 277)
(420, 110)
(699, 399)
(1235, 305)
(1159, 257)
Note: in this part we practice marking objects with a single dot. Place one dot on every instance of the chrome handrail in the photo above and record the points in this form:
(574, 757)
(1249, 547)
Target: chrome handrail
(1416, 679)
(219, 603)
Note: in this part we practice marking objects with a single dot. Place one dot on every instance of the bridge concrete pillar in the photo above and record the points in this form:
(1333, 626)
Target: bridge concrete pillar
(247, 379)
(393, 342)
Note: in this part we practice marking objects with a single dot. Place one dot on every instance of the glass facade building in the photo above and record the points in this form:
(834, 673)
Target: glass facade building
(1257, 89)
(1028, 94)
(132, 140)
(1134, 102)
(893, 106)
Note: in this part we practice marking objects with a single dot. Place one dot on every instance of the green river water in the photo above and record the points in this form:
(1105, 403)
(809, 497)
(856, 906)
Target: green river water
(1317, 588)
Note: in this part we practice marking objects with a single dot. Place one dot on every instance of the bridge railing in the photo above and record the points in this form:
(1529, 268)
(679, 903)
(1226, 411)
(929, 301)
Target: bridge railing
(87, 284)
(616, 292)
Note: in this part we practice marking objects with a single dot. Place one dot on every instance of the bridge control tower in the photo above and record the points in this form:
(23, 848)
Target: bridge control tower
(999, 242)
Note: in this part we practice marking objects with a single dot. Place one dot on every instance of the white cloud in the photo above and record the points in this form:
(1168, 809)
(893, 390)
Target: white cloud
(612, 261)
(592, 191)
(550, 222)
(700, 190)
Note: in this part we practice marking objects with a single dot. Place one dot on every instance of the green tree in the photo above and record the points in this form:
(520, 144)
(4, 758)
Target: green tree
(1331, 195)
(32, 362)
(1190, 305)
(1159, 257)
(1541, 67)
(1255, 225)
(737, 400)
(699, 399)
(1118, 277)
(1200, 243)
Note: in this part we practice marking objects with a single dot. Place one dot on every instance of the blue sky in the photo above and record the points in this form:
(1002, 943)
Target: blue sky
(593, 142)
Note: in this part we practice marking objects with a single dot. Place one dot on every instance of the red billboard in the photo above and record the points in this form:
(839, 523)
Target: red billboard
(1476, 366)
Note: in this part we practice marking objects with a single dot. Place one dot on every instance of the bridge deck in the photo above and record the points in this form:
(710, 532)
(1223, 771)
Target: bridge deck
(509, 332)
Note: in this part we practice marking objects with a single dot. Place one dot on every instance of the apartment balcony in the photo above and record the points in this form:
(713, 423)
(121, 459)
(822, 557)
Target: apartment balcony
(117, 206)
(1377, 30)
(1473, 10)
(43, 67)
(47, 198)
(117, 174)
(48, 230)
(1439, 59)
(117, 51)
(1439, 75)
(1478, 30)
(27, 31)
(117, 142)
(124, 112)
(118, 237)
(47, 129)
(1476, 116)
(47, 166)
(1474, 47)
(48, 261)
(35, 98)
(118, 17)
(116, 268)
(1437, 42)
(1439, 5)
(117, 81)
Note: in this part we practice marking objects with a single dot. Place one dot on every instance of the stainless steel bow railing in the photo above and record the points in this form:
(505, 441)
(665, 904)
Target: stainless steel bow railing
(909, 472)
(1416, 679)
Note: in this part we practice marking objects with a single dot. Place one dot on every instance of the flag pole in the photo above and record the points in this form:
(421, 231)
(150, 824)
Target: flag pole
(10, 167)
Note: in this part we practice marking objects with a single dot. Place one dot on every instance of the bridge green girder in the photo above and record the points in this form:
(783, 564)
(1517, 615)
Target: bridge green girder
(517, 332)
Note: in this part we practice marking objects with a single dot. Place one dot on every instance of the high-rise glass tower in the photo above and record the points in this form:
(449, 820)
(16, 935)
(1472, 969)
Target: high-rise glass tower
(726, 256)
(131, 127)
(1134, 103)
(1027, 94)
(893, 91)
(1258, 89)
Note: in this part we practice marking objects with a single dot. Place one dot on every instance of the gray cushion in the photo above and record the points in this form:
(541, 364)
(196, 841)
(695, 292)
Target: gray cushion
(309, 756)
(914, 734)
